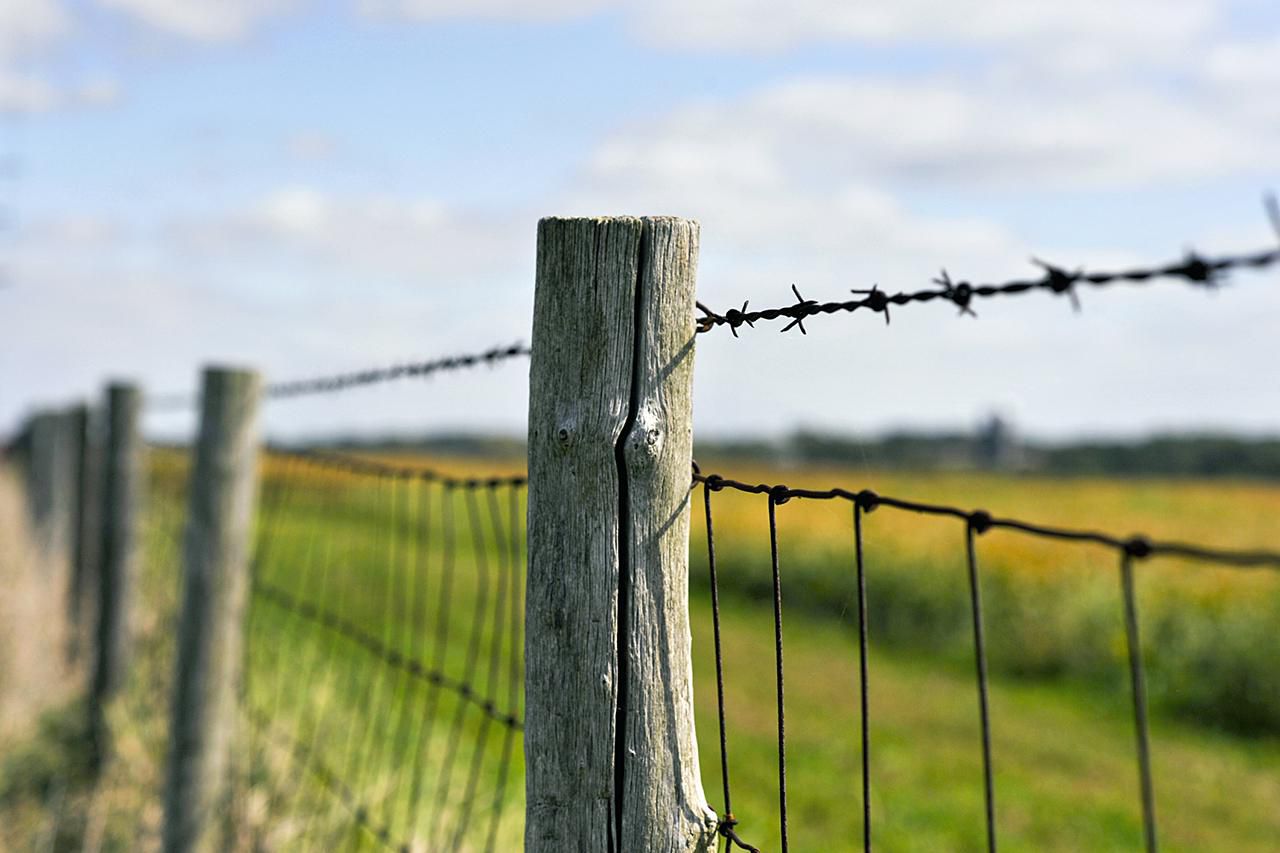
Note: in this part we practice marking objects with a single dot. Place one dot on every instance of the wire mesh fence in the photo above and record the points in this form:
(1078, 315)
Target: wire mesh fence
(852, 597)
(384, 665)
(382, 692)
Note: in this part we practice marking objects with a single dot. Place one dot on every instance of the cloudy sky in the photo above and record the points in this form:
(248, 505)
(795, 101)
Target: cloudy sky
(309, 187)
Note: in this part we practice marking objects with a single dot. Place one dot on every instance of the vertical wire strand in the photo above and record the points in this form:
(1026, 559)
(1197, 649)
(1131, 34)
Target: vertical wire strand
(862, 679)
(263, 547)
(314, 710)
(330, 678)
(447, 558)
(383, 566)
(420, 607)
(980, 660)
(469, 665)
(715, 632)
(403, 569)
(361, 744)
(315, 498)
(1137, 682)
(777, 635)
(513, 666)
(495, 663)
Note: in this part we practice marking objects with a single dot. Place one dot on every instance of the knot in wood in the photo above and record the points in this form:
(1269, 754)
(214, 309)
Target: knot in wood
(645, 440)
(566, 433)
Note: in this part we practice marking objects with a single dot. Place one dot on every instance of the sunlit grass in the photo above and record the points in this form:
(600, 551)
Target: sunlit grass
(373, 552)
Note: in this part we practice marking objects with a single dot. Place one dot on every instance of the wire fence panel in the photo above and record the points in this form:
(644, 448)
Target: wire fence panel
(384, 670)
(741, 830)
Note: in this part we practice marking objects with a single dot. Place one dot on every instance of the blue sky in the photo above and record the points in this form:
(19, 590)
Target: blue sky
(316, 186)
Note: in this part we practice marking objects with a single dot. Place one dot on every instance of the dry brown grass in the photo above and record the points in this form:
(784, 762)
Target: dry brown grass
(35, 674)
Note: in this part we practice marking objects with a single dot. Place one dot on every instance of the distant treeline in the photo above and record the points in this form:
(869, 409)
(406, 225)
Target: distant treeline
(991, 447)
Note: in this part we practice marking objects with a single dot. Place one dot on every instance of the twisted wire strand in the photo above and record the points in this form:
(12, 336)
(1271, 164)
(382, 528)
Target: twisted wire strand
(370, 376)
(1193, 269)
(1136, 546)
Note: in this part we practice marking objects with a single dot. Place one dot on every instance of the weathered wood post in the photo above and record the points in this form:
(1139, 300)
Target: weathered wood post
(611, 754)
(215, 577)
(83, 529)
(49, 487)
(123, 470)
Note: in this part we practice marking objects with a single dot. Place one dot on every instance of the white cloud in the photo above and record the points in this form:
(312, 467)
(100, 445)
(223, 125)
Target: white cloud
(1245, 63)
(29, 26)
(302, 237)
(428, 10)
(1137, 28)
(766, 25)
(30, 93)
(201, 20)
(947, 132)
(26, 93)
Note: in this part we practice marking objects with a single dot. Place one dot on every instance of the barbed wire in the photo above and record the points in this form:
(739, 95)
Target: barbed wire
(370, 376)
(1193, 269)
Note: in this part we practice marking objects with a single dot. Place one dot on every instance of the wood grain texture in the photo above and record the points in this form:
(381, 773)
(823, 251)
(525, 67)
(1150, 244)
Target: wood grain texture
(586, 484)
(664, 807)
(215, 579)
(579, 393)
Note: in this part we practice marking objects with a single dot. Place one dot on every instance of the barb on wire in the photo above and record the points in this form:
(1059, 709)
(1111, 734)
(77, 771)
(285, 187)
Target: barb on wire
(371, 376)
(1192, 268)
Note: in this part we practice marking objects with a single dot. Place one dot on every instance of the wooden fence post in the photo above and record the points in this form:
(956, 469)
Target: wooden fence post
(49, 487)
(215, 575)
(611, 754)
(123, 471)
(84, 547)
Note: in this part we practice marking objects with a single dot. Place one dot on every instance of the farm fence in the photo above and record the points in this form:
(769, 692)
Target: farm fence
(359, 649)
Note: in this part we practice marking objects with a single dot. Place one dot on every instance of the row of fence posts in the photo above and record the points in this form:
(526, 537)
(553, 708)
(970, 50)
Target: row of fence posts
(85, 480)
(611, 752)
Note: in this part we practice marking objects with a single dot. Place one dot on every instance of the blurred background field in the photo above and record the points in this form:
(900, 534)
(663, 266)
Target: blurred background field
(1063, 742)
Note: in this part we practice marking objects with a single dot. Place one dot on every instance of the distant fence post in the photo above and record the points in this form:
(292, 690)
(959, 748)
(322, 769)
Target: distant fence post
(123, 470)
(611, 754)
(215, 577)
(49, 486)
(83, 529)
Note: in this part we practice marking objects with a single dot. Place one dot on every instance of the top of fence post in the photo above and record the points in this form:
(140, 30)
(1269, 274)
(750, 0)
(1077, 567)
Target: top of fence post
(610, 749)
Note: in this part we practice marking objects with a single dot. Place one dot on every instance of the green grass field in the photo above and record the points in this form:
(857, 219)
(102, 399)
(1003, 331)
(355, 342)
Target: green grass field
(422, 765)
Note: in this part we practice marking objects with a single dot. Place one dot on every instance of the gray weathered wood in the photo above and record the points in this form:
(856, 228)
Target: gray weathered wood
(123, 461)
(84, 531)
(209, 662)
(664, 808)
(607, 529)
(49, 488)
(122, 485)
